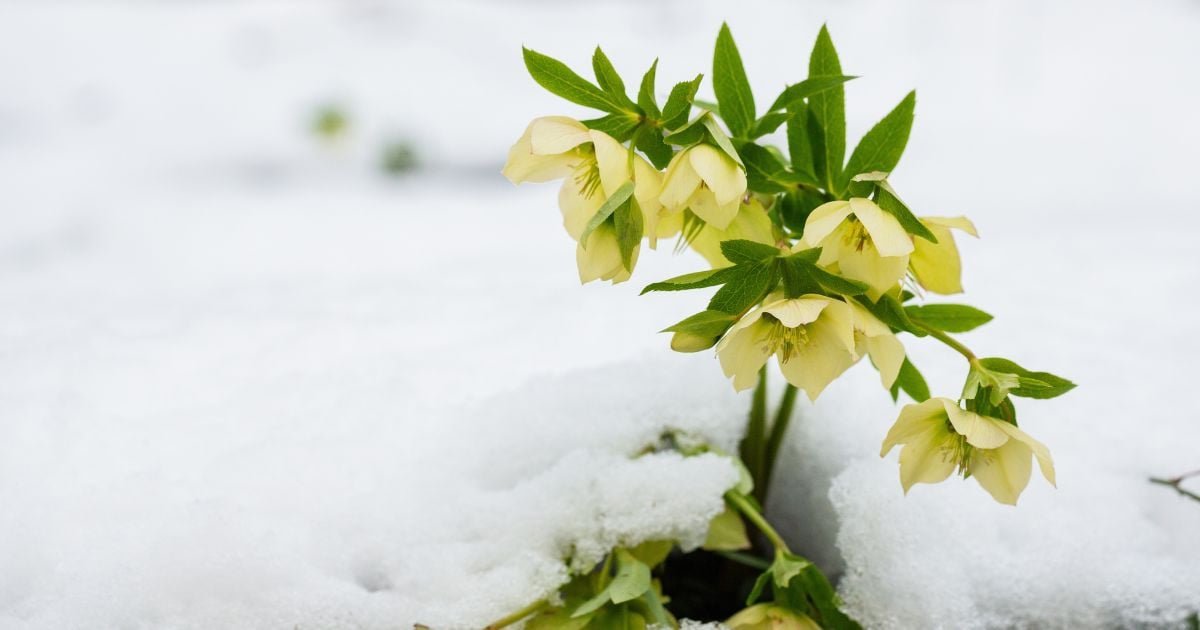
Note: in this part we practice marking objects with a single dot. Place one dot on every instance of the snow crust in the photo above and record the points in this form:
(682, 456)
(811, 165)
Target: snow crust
(248, 382)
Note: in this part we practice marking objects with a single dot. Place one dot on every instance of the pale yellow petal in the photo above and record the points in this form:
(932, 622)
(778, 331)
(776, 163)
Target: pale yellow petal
(1003, 472)
(742, 354)
(881, 274)
(577, 208)
(1045, 462)
(887, 353)
(704, 205)
(823, 220)
(866, 322)
(937, 266)
(927, 458)
(612, 159)
(958, 223)
(523, 165)
(980, 431)
(751, 223)
(679, 183)
(601, 260)
(551, 135)
(915, 419)
(815, 365)
(887, 234)
(798, 311)
(723, 176)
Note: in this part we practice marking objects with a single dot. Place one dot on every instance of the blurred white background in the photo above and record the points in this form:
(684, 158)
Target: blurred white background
(235, 357)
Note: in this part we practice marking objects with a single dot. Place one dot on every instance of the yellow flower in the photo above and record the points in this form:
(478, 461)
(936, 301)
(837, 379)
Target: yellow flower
(936, 266)
(771, 617)
(594, 166)
(751, 223)
(873, 338)
(861, 241)
(939, 437)
(812, 336)
(706, 180)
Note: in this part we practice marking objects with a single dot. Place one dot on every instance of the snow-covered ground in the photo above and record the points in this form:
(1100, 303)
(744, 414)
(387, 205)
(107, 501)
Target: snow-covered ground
(248, 381)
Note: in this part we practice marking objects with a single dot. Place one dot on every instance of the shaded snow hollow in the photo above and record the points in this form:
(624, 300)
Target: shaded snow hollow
(247, 383)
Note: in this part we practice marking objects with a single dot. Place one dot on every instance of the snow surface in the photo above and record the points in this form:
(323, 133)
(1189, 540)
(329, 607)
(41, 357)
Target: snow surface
(248, 382)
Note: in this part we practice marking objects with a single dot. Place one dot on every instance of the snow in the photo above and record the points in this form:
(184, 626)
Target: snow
(249, 382)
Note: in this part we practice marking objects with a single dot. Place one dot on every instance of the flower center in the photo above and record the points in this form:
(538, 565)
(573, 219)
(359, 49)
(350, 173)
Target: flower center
(964, 456)
(784, 341)
(855, 236)
(587, 176)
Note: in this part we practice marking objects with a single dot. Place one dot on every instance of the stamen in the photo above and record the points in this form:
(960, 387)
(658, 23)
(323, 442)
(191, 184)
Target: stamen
(855, 234)
(784, 341)
(587, 176)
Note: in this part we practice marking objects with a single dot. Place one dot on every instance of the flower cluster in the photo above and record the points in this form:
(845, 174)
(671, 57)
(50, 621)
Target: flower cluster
(818, 261)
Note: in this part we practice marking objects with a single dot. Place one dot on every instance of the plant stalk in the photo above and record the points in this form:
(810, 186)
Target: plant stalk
(783, 417)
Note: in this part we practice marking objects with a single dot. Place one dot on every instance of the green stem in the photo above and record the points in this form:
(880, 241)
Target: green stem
(783, 417)
(1176, 483)
(743, 505)
(754, 444)
(749, 560)
(955, 344)
(518, 615)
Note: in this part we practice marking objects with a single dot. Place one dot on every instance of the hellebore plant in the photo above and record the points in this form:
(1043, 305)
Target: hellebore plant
(819, 264)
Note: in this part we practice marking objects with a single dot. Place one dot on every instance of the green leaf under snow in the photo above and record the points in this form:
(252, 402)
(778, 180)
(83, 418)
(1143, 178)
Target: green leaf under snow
(880, 149)
(1041, 385)
(911, 382)
(955, 318)
(727, 532)
(694, 280)
(558, 79)
(618, 198)
(746, 286)
(632, 579)
(796, 93)
(652, 552)
(828, 108)
(610, 81)
(741, 251)
(679, 103)
(786, 567)
(731, 85)
(646, 99)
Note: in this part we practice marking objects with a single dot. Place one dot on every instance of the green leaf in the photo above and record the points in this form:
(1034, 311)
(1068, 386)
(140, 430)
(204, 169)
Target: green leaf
(592, 605)
(955, 318)
(651, 143)
(727, 532)
(722, 141)
(610, 81)
(888, 201)
(704, 323)
(786, 567)
(808, 256)
(796, 93)
(767, 124)
(690, 133)
(828, 109)
(618, 199)
(694, 280)
(890, 311)
(800, 150)
(619, 126)
(880, 149)
(653, 552)
(731, 85)
(679, 103)
(741, 251)
(627, 219)
(797, 277)
(837, 284)
(759, 585)
(747, 285)
(558, 79)
(646, 99)
(1041, 385)
(911, 382)
(766, 173)
(824, 599)
(632, 579)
